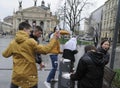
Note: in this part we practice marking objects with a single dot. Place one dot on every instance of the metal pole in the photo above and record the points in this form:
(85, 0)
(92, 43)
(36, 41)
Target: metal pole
(79, 23)
(117, 26)
(0, 25)
(64, 15)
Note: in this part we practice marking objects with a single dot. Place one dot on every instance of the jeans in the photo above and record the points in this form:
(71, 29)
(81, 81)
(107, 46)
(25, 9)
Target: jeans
(15, 86)
(54, 60)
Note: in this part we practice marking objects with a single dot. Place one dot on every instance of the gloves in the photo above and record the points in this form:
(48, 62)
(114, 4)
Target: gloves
(66, 75)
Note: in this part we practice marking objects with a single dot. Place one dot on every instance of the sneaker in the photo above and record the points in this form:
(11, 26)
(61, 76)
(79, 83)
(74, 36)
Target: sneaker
(47, 84)
(54, 80)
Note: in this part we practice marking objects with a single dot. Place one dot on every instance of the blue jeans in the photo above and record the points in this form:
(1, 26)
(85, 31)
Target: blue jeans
(54, 60)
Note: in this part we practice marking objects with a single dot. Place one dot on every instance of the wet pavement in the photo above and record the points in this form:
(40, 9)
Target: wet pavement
(6, 65)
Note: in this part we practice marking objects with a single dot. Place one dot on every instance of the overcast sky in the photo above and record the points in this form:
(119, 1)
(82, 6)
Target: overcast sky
(8, 6)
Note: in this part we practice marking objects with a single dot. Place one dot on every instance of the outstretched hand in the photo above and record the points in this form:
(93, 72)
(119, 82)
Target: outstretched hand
(57, 34)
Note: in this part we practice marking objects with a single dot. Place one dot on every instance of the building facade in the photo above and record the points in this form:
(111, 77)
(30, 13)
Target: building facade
(6, 28)
(86, 26)
(109, 19)
(95, 22)
(8, 19)
(35, 15)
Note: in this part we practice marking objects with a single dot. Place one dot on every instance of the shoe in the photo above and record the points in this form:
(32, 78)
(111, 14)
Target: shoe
(54, 80)
(47, 84)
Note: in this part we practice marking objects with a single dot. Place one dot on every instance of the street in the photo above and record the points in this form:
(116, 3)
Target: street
(6, 65)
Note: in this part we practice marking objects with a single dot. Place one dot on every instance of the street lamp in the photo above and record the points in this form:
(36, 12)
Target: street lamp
(64, 15)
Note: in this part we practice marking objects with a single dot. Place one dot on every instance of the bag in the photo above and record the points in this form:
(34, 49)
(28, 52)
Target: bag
(108, 77)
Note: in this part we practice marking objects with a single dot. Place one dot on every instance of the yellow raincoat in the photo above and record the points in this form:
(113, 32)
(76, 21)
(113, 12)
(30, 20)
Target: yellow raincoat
(23, 50)
(56, 48)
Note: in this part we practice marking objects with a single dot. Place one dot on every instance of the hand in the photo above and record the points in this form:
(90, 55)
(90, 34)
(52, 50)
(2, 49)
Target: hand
(42, 65)
(60, 52)
(66, 75)
(57, 34)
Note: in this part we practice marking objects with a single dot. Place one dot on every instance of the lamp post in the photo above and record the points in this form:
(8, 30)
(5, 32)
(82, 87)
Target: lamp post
(117, 26)
(64, 15)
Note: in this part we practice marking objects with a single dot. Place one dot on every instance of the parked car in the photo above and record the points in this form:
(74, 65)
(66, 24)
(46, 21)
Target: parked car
(88, 38)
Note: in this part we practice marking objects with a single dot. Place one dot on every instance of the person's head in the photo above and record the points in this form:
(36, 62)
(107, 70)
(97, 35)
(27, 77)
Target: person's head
(105, 44)
(37, 31)
(55, 28)
(25, 27)
(90, 48)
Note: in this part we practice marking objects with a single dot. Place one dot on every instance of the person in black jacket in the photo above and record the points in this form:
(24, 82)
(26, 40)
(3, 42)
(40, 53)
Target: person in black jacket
(104, 47)
(95, 40)
(90, 69)
(35, 34)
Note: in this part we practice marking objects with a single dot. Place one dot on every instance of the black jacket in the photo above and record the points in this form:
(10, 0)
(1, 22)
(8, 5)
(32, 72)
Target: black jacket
(106, 55)
(34, 37)
(69, 54)
(38, 56)
(90, 70)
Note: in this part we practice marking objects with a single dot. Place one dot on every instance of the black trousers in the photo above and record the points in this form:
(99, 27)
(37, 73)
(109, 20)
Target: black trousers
(15, 86)
(38, 58)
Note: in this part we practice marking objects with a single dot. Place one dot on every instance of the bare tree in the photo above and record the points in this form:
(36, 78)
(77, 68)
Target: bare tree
(72, 12)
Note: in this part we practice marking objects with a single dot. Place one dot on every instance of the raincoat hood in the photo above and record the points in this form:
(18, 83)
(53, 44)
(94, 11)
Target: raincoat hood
(21, 36)
(97, 58)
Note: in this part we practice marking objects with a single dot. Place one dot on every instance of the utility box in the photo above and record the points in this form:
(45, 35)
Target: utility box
(64, 67)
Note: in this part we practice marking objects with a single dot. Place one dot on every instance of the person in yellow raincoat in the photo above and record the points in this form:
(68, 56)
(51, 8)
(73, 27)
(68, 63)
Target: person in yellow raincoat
(54, 60)
(23, 50)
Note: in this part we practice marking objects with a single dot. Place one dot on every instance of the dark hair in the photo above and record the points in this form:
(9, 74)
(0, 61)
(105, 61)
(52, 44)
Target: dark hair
(23, 25)
(38, 28)
(104, 41)
(54, 29)
(89, 47)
